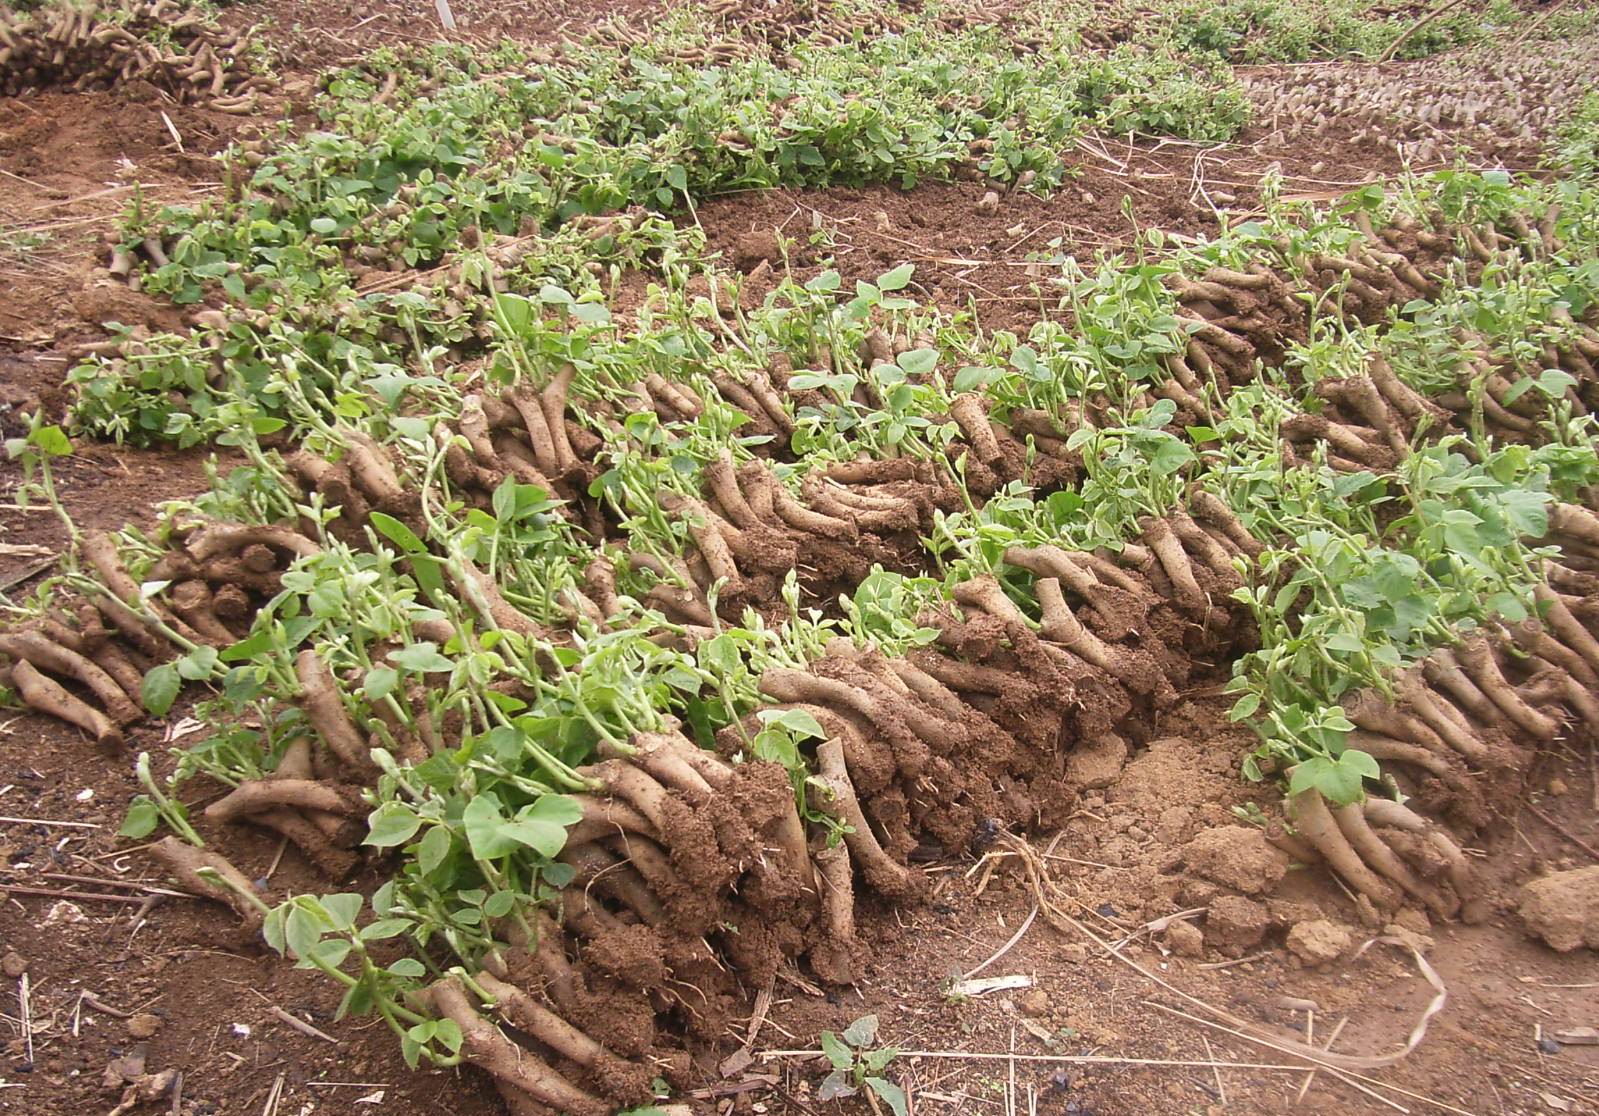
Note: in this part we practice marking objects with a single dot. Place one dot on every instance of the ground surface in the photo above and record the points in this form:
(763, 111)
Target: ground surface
(71, 163)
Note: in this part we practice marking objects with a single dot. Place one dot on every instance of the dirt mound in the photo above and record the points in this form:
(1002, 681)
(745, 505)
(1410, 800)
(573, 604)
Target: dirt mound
(1563, 909)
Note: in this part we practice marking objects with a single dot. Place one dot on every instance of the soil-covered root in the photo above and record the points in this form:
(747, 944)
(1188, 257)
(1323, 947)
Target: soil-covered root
(1462, 877)
(835, 954)
(211, 874)
(46, 654)
(324, 708)
(123, 600)
(1319, 829)
(1373, 850)
(1477, 659)
(256, 796)
(42, 693)
(486, 1047)
(880, 871)
(626, 1083)
(224, 540)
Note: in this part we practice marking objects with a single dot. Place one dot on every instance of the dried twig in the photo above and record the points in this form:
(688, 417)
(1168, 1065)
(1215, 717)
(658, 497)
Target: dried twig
(300, 1025)
(1562, 830)
(1221, 1089)
(1393, 47)
(49, 822)
(93, 1001)
(1311, 1076)
(1006, 948)
(25, 1011)
(78, 896)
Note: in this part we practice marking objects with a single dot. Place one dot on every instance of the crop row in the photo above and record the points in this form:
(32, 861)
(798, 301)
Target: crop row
(543, 703)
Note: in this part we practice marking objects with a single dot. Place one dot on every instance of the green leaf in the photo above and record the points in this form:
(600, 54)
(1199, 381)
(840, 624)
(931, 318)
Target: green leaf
(408, 967)
(303, 929)
(542, 826)
(890, 1094)
(515, 310)
(343, 908)
(836, 1085)
(592, 313)
(384, 928)
(862, 1032)
(272, 928)
(160, 688)
(392, 823)
(198, 664)
(1340, 781)
(482, 820)
(798, 722)
(51, 440)
(840, 1055)
(396, 532)
(422, 658)
(447, 1033)
(380, 682)
(434, 848)
(917, 362)
(329, 953)
(143, 817)
(974, 378)
(898, 279)
(248, 648)
(500, 904)
(1244, 707)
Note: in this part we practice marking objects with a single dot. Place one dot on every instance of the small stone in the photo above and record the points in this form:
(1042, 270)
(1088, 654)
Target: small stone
(1285, 912)
(989, 205)
(1421, 943)
(1074, 954)
(1096, 763)
(1557, 786)
(1563, 909)
(13, 965)
(880, 219)
(1233, 924)
(144, 1025)
(1173, 824)
(1196, 892)
(1319, 942)
(754, 247)
(1137, 833)
(1238, 856)
(1414, 919)
(1185, 939)
(1034, 1003)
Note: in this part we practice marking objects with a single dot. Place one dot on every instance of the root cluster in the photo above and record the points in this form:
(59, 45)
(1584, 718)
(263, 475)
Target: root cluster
(156, 41)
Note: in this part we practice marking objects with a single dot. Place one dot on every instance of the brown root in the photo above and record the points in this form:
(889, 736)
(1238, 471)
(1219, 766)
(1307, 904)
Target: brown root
(882, 872)
(485, 1047)
(40, 692)
(48, 655)
(1317, 826)
(319, 697)
(1374, 851)
(235, 889)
